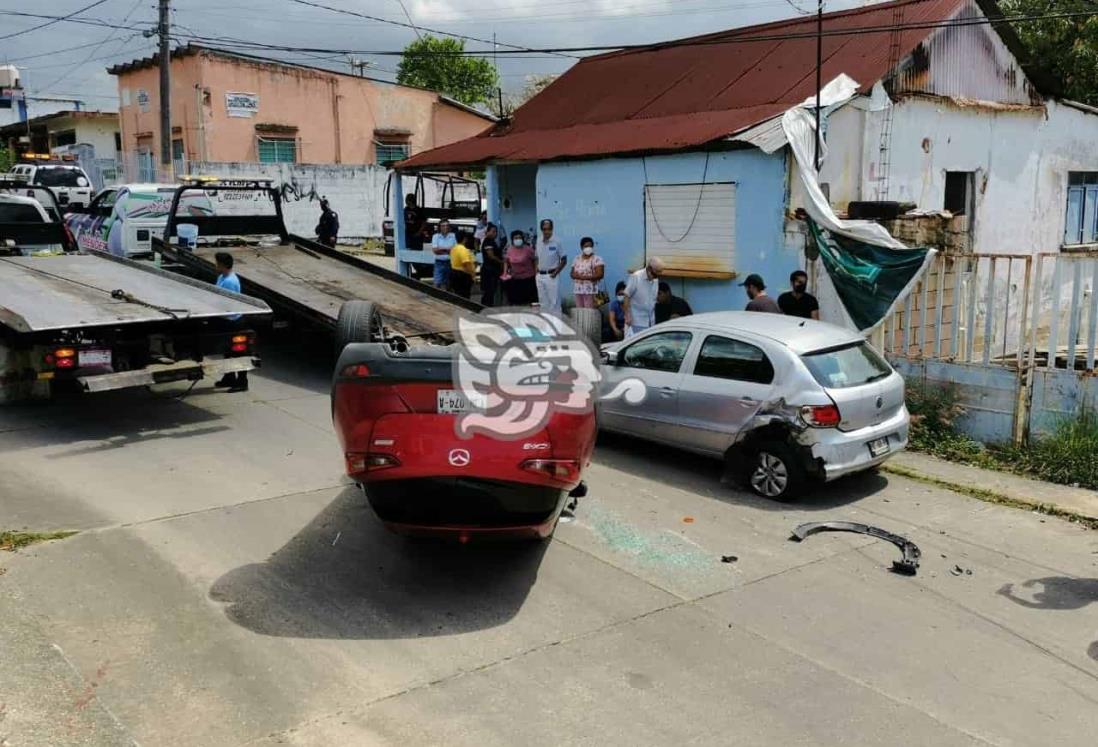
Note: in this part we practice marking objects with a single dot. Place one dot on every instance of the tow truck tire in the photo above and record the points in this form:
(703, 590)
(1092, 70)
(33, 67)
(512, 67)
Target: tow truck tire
(359, 321)
(588, 323)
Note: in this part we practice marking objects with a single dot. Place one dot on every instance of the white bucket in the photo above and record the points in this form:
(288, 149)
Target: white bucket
(188, 235)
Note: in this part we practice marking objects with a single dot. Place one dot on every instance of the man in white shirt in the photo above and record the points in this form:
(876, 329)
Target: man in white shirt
(441, 244)
(551, 261)
(641, 290)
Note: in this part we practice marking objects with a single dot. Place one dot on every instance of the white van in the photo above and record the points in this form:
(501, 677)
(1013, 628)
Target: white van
(122, 220)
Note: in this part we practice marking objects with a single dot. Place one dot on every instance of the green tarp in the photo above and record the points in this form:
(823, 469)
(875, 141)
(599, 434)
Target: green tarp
(868, 279)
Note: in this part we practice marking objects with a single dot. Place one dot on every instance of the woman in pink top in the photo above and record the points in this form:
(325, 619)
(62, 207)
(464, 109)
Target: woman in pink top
(520, 268)
(587, 271)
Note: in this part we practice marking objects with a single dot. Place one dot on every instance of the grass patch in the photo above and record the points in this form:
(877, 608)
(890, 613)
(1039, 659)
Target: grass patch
(1068, 457)
(12, 541)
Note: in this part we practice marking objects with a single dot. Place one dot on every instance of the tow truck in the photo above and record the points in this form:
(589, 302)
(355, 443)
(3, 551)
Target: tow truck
(304, 281)
(460, 201)
(93, 322)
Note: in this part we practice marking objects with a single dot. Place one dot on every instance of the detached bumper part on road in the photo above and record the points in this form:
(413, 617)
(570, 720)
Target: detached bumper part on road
(906, 565)
(846, 452)
(160, 373)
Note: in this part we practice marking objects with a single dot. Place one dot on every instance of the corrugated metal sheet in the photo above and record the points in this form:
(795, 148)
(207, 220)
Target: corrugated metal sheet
(968, 62)
(687, 93)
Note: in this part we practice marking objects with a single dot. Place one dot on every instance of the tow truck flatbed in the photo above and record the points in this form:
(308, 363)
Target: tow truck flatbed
(302, 278)
(74, 290)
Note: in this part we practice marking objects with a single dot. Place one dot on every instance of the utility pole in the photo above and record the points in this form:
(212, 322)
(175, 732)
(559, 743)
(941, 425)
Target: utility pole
(165, 91)
(819, 66)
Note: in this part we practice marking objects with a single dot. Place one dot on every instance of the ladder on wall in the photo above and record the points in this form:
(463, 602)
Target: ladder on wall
(884, 159)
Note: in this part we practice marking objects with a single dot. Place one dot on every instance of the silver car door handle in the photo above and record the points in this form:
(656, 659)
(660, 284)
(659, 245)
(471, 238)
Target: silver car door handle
(667, 391)
(749, 400)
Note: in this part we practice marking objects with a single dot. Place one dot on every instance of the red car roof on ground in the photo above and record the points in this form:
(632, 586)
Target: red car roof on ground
(686, 93)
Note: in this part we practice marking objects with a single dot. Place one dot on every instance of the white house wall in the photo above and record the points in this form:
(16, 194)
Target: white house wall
(1021, 159)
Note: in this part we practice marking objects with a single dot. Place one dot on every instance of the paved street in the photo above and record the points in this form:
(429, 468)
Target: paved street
(228, 587)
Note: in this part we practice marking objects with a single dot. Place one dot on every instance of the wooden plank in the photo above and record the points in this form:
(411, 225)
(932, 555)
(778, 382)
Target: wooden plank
(1073, 321)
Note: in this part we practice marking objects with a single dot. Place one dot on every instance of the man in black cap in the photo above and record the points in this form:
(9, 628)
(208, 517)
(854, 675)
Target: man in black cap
(799, 302)
(756, 291)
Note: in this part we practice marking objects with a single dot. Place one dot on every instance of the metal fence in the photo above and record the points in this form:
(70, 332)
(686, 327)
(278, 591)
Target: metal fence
(1009, 310)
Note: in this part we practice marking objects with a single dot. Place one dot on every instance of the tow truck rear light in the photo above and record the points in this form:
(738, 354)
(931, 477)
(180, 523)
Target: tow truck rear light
(240, 338)
(825, 416)
(61, 358)
(355, 371)
(358, 463)
(564, 470)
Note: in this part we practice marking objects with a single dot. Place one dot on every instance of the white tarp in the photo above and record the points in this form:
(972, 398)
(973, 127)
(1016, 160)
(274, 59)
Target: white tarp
(798, 130)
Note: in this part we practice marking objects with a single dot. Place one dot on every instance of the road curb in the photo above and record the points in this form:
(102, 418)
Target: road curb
(992, 496)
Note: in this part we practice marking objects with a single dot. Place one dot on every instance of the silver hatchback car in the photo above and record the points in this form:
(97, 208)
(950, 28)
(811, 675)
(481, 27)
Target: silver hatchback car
(784, 400)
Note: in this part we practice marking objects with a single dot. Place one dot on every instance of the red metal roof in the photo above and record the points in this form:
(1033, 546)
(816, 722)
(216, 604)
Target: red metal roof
(683, 94)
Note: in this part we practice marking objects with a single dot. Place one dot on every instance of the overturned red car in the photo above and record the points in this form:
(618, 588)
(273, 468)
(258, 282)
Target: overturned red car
(395, 414)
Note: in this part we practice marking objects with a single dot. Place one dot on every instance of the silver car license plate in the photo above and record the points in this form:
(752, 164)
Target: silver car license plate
(879, 447)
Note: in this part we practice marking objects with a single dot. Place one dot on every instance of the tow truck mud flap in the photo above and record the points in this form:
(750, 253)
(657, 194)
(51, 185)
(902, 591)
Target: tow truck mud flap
(164, 373)
(906, 566)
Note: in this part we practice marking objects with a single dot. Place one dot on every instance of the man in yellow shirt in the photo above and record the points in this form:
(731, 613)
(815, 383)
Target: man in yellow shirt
(463, 267)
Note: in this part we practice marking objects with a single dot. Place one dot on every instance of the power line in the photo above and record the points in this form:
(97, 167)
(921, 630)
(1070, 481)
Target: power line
(52, 52)
(414, 28)
(733, 36)
(54, 20)
(90, 54)
(66, 19)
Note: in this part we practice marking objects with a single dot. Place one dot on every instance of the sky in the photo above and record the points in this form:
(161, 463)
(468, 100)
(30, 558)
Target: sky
(69, 60)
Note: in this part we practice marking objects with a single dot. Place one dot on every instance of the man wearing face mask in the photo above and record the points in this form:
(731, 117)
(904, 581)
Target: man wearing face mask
(798, 302)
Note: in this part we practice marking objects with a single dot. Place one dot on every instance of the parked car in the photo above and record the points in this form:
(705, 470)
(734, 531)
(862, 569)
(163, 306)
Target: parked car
(122, 220)
(784, 400)
(394, 414)
(24, 221)
(67, 180)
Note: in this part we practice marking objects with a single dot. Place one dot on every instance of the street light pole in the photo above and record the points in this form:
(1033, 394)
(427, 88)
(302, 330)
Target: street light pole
(819, 66)
(165, 91)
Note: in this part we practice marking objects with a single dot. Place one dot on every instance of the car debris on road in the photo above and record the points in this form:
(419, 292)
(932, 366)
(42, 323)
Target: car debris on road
(907, 565)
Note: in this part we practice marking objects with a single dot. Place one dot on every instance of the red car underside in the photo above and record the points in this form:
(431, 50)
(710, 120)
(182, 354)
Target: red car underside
(420, 477)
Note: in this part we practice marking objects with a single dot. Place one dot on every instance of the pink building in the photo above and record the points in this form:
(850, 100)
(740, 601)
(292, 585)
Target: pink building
(238, 108)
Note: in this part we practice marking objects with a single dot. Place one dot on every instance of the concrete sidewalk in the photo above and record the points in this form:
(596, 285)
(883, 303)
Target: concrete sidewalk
(1001, 487)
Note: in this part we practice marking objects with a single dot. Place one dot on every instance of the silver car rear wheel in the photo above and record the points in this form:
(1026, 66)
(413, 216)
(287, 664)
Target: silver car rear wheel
(770, 478)
(775, 471)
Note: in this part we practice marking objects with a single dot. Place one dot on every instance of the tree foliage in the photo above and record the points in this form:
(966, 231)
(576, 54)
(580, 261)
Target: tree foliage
(7, 160)
(534, 85)
(1066, 49)
(439, 64)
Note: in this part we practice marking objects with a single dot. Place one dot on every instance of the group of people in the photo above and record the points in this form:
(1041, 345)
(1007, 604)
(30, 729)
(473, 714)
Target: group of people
(520, 274)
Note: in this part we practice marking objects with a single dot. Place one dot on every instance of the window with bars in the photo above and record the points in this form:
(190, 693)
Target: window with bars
(277, 150)
(387, 153)
(1081, 224)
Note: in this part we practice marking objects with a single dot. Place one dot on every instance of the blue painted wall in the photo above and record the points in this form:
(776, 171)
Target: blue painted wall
(517, 198)
(604, 199)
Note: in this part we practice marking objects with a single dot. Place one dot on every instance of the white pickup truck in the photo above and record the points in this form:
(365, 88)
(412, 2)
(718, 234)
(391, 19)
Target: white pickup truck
(67, 180)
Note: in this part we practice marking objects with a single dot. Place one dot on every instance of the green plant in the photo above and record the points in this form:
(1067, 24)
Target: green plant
(7, 159)
(934, 413)
(12, 541)
(442, 65)
(1069, 456)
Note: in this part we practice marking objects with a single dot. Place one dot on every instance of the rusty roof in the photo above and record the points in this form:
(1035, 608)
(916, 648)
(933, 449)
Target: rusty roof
(683, 94)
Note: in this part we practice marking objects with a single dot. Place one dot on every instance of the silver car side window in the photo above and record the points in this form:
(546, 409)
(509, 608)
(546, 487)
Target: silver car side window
(664, 351)
(725, 358)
